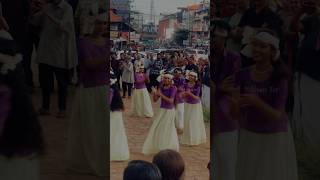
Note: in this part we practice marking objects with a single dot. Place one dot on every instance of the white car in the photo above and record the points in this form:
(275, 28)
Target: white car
(198, 53)
(159, 50)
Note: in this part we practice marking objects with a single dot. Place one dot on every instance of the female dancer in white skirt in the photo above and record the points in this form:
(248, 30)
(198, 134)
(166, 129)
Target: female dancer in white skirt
(179, 82)
(87, 145)
(20, 131)
(119, 150)
(162, 134)
(141, 103)
(194, 128)
(266, 146)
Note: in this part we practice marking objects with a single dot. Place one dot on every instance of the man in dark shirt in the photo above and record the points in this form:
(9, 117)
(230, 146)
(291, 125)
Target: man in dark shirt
(156, 67)
(309, 51)
(191, 65)
(115, 65)
(260, 16)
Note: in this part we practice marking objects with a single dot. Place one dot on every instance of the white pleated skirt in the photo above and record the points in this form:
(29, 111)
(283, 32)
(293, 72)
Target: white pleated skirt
(141, 103)
(224, 155)
(119, 150)
(179, 115)
(87, 137)
(205, 99)
(194, 128)
(266, 156)
(24, 168)
(162, 134)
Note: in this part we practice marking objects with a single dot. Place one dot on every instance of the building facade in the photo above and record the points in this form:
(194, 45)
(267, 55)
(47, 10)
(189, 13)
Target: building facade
(200, 25)
(122, 8)
(167, 26)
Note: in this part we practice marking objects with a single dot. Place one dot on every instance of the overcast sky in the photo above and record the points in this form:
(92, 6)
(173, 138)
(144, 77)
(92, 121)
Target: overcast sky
(160, 6)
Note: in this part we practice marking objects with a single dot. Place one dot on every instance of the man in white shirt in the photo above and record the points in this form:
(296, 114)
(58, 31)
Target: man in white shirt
(57, 53)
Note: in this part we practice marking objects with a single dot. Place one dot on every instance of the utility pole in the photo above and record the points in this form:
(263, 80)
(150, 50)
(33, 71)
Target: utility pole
(190, 30)
(129, 5)
(152, 12)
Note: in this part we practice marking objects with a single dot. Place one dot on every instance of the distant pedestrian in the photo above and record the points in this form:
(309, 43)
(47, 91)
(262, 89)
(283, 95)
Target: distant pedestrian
(127, 77)
(56, 53)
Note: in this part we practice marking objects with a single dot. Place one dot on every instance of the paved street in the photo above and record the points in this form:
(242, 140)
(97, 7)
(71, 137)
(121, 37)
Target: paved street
(55, 131)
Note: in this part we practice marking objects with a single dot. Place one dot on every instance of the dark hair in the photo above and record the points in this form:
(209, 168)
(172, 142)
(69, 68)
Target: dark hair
(22, 133)
(141, 170)
(170, 163)
(220, 24)
(116, 102)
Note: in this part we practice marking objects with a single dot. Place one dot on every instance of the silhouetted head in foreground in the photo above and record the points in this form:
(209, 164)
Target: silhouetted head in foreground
(141, 170)
(171, 164)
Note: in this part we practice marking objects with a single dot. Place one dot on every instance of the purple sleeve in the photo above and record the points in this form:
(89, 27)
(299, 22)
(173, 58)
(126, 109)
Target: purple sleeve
(173, 92)
(282, 96)
(196, 91)
(136, 77)
(5, 105)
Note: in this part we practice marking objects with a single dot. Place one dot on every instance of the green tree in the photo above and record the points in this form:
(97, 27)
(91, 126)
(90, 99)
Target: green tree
(181, 35)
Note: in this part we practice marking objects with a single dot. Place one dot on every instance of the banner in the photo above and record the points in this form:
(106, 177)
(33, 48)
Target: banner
(114, 34)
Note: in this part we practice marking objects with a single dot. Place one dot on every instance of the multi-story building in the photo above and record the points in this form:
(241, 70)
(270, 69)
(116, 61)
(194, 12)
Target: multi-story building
(122, 8)
(137, 21)
(168, 24)
(201, 24)
(149, 33)
(120, 31)
(196, 19)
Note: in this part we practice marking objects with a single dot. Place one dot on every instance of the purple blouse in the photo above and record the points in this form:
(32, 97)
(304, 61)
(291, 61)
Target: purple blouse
(139, 77)
(180, 85)
(228, 66)
(195, 90)
(5, 95)
(272, 92)
(89, 51)
(170, 93)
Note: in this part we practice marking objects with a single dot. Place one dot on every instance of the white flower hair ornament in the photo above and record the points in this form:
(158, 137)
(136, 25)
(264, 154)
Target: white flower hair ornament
(9, 62)
(264, 37)
(159, 78)
(163, 74)
(191, 73)
(139, 66)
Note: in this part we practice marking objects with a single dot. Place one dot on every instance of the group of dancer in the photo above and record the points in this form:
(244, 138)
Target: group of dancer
(180, 112)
